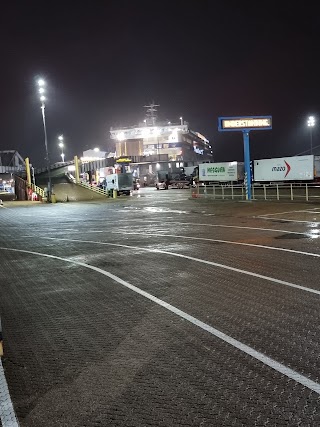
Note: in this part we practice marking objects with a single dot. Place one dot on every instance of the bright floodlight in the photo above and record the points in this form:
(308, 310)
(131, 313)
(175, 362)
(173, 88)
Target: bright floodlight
(42, 98)
(60, 144)
(41, 90)
(60, 138)
(311, 121)
(96, 149)
(41, 82)
(121, 136)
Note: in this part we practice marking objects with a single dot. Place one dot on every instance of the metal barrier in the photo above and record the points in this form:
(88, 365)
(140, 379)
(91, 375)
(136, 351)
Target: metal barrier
(88, 186)
(37, 190)
(291, 191)
(94, 188)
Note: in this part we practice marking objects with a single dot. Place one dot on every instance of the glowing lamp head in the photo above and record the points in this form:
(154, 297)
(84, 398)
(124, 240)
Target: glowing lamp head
(41, 82)
(121, 136)
(42, 98)
(311, 121)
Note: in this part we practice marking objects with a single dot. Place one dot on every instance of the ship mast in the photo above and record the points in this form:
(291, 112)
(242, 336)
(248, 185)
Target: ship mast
(151, 114)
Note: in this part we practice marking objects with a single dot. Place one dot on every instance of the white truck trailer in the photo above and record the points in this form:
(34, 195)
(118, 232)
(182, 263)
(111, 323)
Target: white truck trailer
(297, 168)
(221, 172)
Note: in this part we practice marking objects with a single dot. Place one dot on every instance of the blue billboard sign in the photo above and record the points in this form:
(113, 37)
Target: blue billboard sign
(247, 123)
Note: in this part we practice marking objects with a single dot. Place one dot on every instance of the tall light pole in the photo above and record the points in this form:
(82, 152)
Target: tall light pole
(41, 84)
(311, 122)
(61, 145)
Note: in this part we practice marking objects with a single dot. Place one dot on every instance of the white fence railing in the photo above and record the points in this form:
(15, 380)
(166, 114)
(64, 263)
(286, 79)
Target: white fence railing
(291, 191)
(38, 190)
(93, 188)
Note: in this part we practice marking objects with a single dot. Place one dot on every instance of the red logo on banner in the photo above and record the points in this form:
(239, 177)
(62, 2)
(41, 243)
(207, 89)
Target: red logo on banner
(288, 168)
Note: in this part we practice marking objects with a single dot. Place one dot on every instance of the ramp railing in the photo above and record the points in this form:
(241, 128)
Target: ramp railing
(88, 186)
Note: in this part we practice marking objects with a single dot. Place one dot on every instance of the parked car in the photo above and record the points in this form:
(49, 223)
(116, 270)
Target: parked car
(161, 185)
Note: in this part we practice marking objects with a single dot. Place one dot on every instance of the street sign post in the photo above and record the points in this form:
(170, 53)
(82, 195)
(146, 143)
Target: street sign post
(245, 124)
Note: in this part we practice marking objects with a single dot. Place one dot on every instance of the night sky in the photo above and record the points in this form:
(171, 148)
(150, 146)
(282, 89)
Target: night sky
(198, 59)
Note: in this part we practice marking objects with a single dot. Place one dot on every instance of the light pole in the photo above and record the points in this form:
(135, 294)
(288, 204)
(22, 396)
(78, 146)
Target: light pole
(61, 145)
(311, 122)
(33, 177)
(41, 84)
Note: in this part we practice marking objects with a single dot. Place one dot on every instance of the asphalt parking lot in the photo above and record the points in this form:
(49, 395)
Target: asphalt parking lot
(160, 310)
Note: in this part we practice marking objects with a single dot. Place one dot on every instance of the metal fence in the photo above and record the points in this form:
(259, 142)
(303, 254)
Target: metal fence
(88, 186)
(291, 191)
(38, 190)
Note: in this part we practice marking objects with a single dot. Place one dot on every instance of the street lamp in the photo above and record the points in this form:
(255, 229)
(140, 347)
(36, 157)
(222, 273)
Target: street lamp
(181, 120)
(41, 84)
(61, 145)
(311, 122)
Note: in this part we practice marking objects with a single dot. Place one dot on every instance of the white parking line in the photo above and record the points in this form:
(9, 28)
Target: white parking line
(218, 240)
(289, 220)
(286, 212)
(162, 222)
(279, 367)
(214, 264)
(7, 414)
(313, 211)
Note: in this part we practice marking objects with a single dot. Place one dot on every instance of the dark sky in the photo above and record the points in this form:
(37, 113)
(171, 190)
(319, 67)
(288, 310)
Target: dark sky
(200, 59)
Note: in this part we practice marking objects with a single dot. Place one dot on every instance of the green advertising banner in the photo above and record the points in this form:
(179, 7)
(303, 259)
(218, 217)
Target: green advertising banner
(218, 171)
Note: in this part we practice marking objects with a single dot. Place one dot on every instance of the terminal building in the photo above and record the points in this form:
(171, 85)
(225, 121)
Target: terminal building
(151, 146)
(11, 165)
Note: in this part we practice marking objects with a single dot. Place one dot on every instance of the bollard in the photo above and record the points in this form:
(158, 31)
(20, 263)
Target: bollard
(115, 194)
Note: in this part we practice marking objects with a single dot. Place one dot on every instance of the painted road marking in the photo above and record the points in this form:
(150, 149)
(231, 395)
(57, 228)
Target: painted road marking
(289, 220)
(220, 241)
(305, 233)
(286, 212)
(279, 367)
(313, 211)
(214, 264)
(7, 414)
(215, 225)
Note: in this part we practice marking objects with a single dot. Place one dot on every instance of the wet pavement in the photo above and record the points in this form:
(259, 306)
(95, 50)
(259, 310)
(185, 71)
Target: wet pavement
(161, 310)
